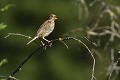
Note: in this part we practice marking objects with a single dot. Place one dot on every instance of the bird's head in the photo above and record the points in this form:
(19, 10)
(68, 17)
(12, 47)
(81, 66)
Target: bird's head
(53, 16)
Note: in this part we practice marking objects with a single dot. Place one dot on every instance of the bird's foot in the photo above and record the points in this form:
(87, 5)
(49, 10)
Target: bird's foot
(44, 45)
(49, 43)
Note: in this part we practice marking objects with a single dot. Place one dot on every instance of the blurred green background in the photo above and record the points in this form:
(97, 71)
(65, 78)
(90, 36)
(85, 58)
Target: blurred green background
(57, 62)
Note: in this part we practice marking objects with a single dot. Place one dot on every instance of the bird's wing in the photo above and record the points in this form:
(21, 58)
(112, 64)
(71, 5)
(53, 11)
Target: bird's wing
(42, 26)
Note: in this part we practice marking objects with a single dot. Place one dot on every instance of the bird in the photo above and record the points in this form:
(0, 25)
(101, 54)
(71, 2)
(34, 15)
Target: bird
(45, 29)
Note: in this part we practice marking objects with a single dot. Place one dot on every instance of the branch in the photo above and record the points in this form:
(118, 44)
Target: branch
(113, 67)
(17, 34)
(11, 77)
(93, 68)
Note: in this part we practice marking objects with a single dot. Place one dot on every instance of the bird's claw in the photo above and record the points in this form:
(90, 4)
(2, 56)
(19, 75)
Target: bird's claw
(49, 43)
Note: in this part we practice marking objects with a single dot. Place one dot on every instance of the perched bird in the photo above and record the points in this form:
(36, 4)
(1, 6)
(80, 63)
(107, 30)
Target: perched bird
(45, 29)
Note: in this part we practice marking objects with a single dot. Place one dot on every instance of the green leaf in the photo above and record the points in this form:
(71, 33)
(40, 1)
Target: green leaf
(2, 26)
(4, 61)
(7, 7)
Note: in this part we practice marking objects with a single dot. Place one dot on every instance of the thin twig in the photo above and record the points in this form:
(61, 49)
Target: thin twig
(114, 65)
(11, 77)
(60, 39)
(91, 41)
(93, 68)
(17, 34)
(3, 76)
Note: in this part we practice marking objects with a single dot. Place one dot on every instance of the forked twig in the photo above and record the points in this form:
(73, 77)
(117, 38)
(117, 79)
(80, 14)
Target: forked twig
(93, 68)
(114, 65)
(60, 39)
(11, 77)
(91, 41)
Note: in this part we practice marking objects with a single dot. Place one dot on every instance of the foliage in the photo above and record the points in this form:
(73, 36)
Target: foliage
(7, 7)
(4, 61)
(2, 26)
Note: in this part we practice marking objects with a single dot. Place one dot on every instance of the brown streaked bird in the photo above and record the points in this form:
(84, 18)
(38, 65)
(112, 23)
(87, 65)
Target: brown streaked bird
(45, 29)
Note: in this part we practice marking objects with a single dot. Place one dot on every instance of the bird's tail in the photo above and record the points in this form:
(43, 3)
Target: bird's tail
(32, 40)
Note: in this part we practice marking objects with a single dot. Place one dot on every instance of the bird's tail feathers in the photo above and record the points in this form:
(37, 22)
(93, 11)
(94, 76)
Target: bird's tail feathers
(32, 40)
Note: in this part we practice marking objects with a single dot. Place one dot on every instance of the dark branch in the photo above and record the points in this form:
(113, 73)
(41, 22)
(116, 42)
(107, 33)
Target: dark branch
(20, 66)
(11, 77)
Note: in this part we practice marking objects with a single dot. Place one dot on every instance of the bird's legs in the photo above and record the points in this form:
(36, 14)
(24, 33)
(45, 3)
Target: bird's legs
(49, 42)
(44, 46)
(46, 40)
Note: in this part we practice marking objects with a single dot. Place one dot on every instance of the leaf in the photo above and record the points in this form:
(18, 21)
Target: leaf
(7, 7)
(2, 26)
(4, 61)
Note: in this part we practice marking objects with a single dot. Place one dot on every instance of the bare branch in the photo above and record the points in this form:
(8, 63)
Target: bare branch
(93, 68)
(17, 34)
(63, 43)
(11, 77)
(112, 68)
